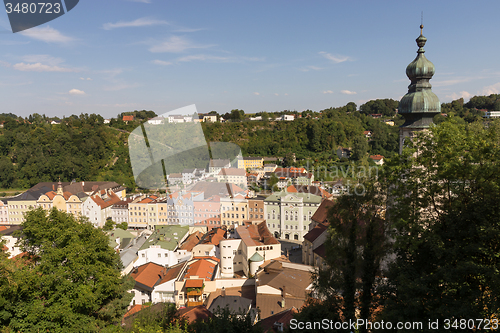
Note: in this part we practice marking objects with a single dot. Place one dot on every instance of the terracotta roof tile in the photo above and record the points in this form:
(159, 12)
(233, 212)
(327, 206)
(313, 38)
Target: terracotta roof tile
(148, 274)
(315, 232)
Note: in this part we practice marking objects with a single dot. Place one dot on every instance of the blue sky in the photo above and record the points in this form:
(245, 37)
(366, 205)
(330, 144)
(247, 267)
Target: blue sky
(113, 56)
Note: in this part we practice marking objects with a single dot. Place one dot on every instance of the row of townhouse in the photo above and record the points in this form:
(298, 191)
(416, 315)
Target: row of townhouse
(90, 199)
(216, 262)
(287, 213)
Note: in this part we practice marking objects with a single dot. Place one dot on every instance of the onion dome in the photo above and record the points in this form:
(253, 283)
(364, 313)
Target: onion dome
(420, 104)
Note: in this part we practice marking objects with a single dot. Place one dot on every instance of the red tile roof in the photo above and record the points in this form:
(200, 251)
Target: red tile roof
(112, 199)
(315, 232)
(321, 214)
(202, 268)
(128, 118)
(134, 309)
(376, 157)
(194, 283)
(148, 274)
(195, 313)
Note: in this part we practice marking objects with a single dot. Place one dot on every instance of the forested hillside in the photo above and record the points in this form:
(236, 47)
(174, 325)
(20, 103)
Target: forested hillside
(84, 148)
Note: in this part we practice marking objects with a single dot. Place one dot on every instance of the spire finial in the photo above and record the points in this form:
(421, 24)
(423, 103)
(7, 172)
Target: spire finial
(421, 22)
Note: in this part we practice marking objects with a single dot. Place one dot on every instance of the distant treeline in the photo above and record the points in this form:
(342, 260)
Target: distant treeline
(84, 148)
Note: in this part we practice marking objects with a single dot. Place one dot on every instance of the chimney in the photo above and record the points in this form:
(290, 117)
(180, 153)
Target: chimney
(283, 302)
(223, 292)
(283, 293)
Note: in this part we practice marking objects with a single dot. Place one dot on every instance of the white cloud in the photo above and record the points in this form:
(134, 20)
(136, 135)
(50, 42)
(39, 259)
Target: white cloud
(276, 94)
(327, 92)
(493, 89)
(286, 94)
(348, 92)
(4, 63)
(39, 67)
(202, 57)
(308, 68)
(161, 62)
(463, 94)
(335, 58)
(141, 1)
(256, 93)
(140, 22)
(76, 92)
(176, 44)
(47, 34)
(85, 79)
(43, 58)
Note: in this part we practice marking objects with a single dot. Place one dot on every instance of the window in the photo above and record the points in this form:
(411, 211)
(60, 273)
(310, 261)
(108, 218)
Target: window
(143, 255)
(206, 253)
(234, 252)
(159, 255)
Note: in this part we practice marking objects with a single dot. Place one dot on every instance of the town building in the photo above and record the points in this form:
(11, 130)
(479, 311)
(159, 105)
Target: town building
(243, 254)
(216, 165)
(196, 281)
(207, 212)
(288, 215)
(250, 163)
(281, 285)
(234, 210)
(232, 175)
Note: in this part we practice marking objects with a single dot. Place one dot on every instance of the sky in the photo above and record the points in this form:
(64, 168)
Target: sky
(113, 56)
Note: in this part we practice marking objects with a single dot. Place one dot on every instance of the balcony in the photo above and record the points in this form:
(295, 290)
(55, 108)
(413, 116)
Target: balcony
(194, 303)
(196, 292)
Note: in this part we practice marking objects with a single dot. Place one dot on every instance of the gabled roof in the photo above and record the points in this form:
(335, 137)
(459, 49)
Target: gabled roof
(283, 317)
(315, 232)
(191, 241)
(256, 235)
(377, 157)
(231, 172)
(172, 273)
(236, 304)
(321, 251)
(128, 118)
(194, 283)
(195, 313)
(148, 274)
(214, 236)
(219, 163)
(203, 268)
(295, 278)
(105, 203)
(321, 214)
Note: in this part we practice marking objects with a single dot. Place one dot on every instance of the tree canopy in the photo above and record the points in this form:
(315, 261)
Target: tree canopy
(68, 279)
(446, 215)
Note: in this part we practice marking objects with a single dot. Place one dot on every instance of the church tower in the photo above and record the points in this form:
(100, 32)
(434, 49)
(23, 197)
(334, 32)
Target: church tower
(420, 104)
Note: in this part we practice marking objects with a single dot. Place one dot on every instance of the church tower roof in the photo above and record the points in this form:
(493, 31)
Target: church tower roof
(420, 104)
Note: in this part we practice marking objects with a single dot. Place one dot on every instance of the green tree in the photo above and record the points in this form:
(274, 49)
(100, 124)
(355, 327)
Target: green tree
(70, 279)
(108, 225)
(355, 248)
(446, 212)
(359, 148)
(123, 225)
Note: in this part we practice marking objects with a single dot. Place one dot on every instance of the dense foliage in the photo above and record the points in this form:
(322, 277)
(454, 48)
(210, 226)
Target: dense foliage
(446, 215)
(68, 279)
(84, 148)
